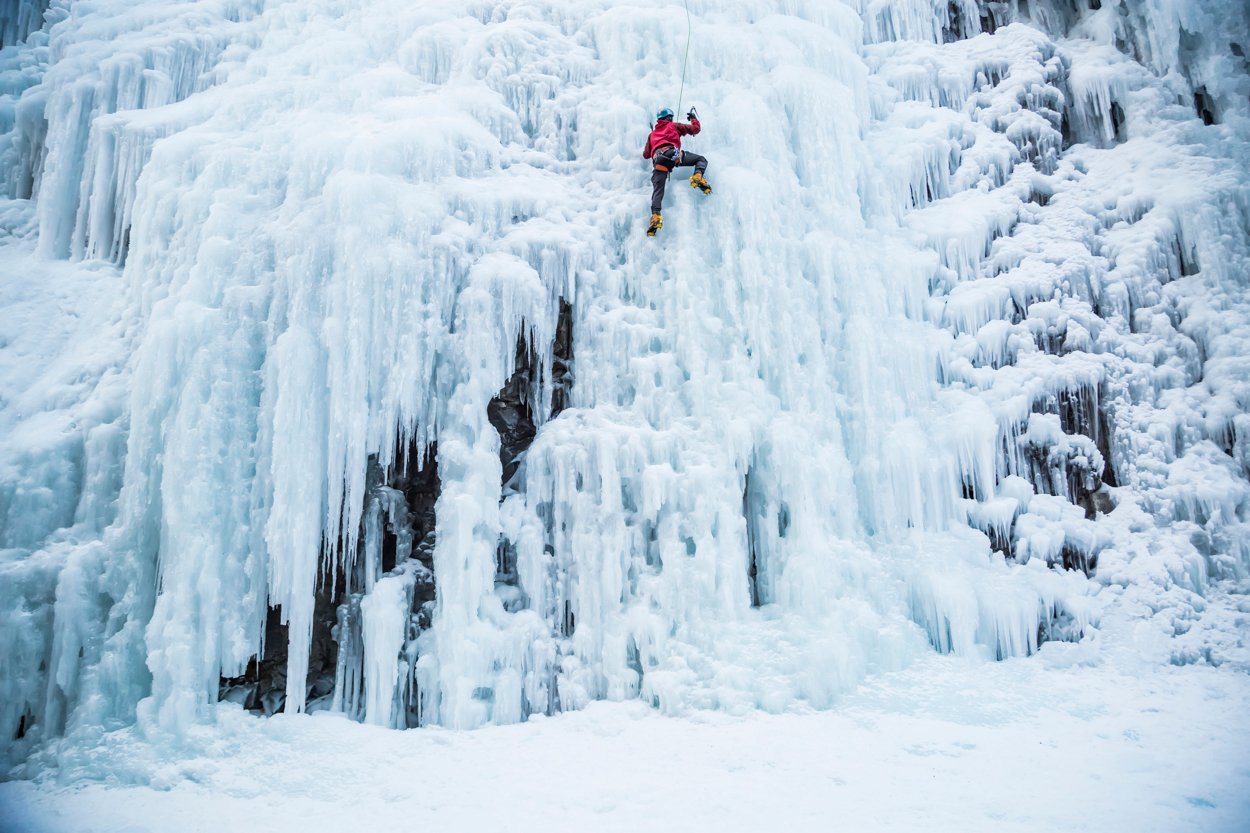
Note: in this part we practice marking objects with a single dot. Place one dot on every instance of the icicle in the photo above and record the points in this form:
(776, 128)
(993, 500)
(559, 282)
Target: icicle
(293, 532)
(385, 627)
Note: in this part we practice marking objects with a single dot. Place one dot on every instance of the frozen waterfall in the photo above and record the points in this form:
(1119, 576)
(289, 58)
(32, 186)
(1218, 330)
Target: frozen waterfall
(338, 373)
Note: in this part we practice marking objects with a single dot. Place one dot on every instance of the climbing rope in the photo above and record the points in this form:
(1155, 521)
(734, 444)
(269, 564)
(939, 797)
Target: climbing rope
(684, 60)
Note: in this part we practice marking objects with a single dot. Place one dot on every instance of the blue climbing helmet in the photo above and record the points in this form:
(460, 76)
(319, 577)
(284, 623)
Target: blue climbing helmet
(664, 114)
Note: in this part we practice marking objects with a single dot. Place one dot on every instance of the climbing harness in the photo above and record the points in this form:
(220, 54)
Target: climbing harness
(666, 158)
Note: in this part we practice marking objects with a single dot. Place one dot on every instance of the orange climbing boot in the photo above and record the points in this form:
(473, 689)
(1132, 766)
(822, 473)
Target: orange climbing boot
(698, 181)
(657, 223)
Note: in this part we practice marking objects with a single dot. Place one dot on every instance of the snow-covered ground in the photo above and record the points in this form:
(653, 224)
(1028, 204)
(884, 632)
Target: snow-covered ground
(946, 745)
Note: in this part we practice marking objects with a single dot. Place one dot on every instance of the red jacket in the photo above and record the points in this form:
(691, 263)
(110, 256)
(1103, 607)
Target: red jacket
(669, 132)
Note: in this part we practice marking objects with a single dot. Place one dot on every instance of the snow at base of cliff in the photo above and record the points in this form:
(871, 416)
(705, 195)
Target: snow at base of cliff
(1025, 745)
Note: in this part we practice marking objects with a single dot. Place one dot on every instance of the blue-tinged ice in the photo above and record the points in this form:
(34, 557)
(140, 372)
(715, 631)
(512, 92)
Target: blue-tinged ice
(953, 359)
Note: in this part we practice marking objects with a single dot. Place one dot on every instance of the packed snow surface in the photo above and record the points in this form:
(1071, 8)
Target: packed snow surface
(943, 746)
(955, 360)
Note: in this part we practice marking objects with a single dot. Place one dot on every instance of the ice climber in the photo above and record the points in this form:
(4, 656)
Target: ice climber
(664, 146)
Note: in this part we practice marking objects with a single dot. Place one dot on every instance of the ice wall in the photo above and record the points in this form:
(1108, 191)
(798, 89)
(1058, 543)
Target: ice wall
(19, 18)
(972, 276)
(1093, 287)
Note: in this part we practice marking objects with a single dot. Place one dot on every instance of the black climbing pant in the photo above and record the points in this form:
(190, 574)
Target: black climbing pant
(670, 158)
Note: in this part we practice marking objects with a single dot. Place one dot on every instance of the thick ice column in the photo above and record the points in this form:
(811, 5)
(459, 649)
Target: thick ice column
(385, 627)
(464, 562)
(203, 621)
(293, 532)
(478, 667)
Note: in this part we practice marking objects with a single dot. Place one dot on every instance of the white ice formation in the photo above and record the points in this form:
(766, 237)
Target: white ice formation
(340, 374)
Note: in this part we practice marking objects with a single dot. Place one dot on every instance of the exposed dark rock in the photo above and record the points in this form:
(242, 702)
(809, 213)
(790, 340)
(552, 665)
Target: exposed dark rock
(1002, 541)
(512, 413)
(1103, 440)
(509, 411)
(1117, 122)
(762, 524)
(336, 614)
(418, 480)
(954, 29)
(1074, 559)
(562, 360)
(262, 687)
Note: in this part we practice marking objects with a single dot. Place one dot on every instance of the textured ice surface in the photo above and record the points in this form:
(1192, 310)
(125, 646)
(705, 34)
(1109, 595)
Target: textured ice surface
(973, 275)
